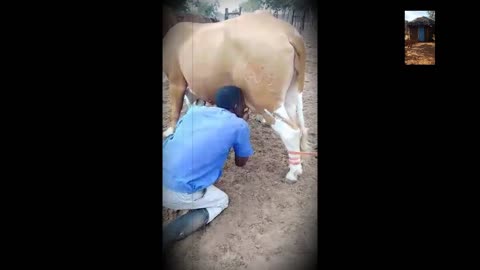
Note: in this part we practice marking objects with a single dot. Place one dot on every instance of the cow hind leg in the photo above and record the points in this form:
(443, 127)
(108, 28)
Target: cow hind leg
(304, 144)
(291, 139)
(294, 107)
(291, 105)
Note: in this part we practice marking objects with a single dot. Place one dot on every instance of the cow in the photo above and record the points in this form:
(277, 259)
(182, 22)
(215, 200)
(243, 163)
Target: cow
(260, 54)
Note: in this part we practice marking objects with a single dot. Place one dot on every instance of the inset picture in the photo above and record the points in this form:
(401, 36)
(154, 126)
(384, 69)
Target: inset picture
(420, 37)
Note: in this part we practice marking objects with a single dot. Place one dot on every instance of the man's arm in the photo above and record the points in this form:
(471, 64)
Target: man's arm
(242, 147)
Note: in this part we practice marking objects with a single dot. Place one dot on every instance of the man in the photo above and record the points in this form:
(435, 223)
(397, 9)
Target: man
(193, 160)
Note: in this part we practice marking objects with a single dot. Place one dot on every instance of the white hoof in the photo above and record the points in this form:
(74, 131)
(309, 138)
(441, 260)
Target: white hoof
(291, 177)
(296, 169)
(168, 132)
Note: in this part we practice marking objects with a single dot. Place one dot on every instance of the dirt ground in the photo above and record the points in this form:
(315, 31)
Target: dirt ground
(420, 54)
(269, 224)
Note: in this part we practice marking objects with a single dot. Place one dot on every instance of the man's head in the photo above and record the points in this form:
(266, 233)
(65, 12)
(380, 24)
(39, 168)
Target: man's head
(231, 99)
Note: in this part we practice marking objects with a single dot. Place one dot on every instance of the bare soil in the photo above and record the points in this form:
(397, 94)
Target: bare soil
(422, 53)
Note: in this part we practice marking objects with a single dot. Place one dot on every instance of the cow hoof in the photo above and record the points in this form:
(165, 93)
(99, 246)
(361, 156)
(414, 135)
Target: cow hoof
(168, 132)
(291, 178)
(290, 182)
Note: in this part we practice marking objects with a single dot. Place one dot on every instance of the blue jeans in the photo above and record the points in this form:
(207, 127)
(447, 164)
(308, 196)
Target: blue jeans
(204, 205)
(184, 226)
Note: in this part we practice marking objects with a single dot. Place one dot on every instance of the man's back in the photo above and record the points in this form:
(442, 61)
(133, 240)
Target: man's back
(194, 156)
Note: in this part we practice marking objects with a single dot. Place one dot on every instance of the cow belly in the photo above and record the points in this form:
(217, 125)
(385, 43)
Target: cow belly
(215, 57)
(205, 85)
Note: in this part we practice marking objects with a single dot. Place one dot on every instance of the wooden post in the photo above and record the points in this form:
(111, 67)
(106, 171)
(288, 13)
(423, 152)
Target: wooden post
(240, 11)
(226, 14)
(293, 16)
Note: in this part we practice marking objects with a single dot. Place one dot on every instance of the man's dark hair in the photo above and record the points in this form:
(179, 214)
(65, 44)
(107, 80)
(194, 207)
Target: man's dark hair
(227, 97)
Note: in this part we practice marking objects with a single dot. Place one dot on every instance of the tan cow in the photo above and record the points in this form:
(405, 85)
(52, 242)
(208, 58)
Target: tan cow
(262, 55)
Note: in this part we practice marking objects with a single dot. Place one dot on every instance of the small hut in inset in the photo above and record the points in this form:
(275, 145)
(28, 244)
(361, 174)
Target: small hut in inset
(421, 29)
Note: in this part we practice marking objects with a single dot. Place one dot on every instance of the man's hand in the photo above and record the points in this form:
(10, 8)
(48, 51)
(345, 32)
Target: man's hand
(240, 161)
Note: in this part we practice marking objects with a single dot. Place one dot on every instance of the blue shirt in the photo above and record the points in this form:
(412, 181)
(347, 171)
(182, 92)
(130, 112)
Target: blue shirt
(194, 155)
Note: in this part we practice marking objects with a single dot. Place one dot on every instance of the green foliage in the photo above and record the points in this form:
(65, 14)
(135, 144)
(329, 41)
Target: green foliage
(252, 5)
(203, 7)
(431, 14)
(178, 5)
(278, 4)
(284, 4)
(207, 9)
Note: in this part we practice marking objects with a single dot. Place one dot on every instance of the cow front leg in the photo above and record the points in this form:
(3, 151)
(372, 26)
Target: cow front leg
(291, 139)
(177, 92)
